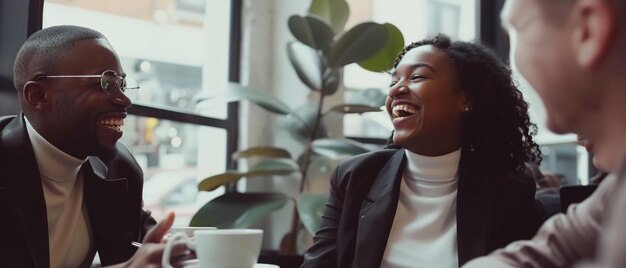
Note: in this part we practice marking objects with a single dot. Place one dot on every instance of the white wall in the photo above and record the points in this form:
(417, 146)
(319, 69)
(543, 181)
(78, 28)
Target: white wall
(265, 67)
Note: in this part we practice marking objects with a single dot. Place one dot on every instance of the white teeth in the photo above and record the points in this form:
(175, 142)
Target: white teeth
(403, 110)
(116, 128)
(113, 123)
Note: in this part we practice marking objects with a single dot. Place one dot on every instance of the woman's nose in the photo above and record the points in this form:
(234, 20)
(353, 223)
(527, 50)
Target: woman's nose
(398, 89)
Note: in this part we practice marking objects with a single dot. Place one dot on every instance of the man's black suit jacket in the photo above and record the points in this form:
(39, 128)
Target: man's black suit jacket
(112, 193)
(364, 195)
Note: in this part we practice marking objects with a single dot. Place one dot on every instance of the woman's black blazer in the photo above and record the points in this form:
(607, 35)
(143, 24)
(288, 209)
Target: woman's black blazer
(492, 211)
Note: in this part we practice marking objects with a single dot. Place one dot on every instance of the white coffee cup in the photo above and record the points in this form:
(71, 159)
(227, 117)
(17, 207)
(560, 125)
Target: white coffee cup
(224, 248)
(188, 230)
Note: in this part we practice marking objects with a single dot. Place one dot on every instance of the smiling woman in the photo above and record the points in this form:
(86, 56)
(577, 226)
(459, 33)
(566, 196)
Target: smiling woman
(426, 102)
(455, 187)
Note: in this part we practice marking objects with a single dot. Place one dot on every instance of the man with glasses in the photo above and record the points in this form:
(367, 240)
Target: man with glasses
(573, 53)
(68, 189)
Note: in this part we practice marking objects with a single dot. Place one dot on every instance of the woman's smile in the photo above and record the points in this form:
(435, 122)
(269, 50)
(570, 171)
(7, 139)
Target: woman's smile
(403, 110)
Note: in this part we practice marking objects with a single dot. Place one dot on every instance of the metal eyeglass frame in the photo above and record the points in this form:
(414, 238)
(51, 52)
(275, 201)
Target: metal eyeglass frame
(104, 84)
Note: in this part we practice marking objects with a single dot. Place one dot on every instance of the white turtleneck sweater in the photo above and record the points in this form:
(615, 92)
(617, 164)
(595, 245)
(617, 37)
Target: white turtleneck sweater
(68, 225)
(423, 233)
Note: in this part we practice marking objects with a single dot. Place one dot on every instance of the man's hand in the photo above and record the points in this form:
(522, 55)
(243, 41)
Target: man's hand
(149, 255)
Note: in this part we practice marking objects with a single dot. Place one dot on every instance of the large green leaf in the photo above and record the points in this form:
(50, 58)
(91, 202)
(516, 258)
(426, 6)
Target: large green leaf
(371, 96)
(213, 182)
(310, 209)
(238, 210)
(354, 108)
(334, 12)
(273, 167)
(336, 148)
(307, 64)
(331, 80)
(262, 151)
(236, 92)
(311, 31)
(383, 60)
(267, 167)
(358, 44)
(300, 125)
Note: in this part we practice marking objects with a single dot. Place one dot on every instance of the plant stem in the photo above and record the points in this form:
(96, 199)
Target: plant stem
(295, 223)
(309, 144)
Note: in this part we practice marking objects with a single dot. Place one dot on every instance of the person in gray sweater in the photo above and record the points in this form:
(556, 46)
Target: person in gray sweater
(572, 53)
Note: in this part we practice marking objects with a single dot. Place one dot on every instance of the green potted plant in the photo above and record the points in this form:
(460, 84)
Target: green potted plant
(322, 40)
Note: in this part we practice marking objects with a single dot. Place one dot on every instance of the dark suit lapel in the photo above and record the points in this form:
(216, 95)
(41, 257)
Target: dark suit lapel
(106, 199)
(472, 216)
(377, 213)
(103, 191)
(22, 188)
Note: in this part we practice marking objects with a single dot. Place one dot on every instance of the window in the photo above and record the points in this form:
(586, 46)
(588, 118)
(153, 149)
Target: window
(568, 161)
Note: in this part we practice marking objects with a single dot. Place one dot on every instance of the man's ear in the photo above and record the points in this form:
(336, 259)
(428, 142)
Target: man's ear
(35, 95)
(594, 31)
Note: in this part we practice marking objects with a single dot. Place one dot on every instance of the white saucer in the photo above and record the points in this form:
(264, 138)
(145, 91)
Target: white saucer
(194, 264)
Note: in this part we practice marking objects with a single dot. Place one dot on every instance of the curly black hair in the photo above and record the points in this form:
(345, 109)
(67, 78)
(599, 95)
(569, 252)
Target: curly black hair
(497, 132)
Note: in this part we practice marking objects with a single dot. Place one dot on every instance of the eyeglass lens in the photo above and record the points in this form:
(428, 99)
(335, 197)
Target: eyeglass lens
(112, 82)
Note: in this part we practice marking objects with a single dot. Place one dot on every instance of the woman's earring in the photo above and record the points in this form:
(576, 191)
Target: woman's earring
(467, 108)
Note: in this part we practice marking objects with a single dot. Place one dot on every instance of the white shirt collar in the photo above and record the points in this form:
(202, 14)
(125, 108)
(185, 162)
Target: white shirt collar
(53, 163)
(433, 168)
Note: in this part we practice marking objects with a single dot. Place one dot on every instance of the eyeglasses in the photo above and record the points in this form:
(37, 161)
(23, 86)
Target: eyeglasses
(110, 81)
